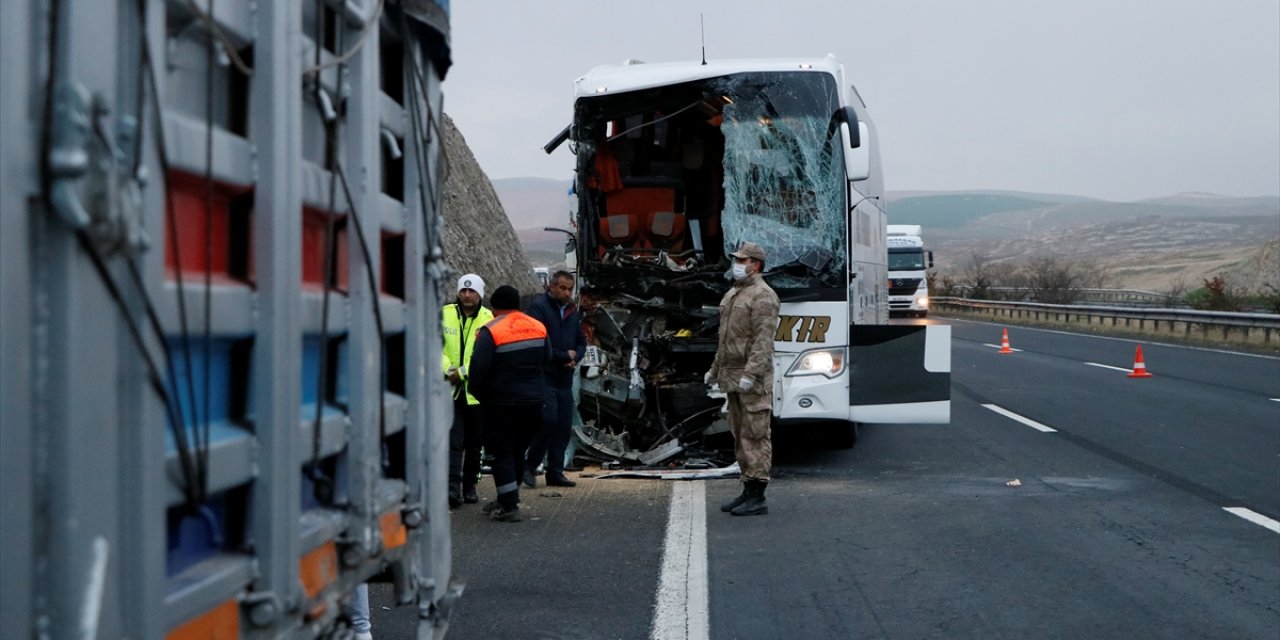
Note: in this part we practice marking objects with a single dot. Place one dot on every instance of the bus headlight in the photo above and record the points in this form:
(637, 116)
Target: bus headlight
(819, 362)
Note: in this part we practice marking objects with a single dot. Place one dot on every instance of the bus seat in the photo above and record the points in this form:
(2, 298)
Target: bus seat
(619, 229)
(637, 204)
(666, 230)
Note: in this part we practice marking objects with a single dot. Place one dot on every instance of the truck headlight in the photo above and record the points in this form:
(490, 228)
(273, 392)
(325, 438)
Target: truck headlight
(823, 362)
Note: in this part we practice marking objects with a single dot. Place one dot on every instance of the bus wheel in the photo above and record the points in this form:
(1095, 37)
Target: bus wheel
(842, 435)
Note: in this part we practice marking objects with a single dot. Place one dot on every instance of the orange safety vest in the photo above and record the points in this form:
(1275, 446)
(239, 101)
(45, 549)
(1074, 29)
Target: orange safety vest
(514, 331)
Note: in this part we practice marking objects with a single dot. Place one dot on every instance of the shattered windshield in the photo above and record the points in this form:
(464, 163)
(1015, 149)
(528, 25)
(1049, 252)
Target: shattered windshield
(784, 184)
(906, 259)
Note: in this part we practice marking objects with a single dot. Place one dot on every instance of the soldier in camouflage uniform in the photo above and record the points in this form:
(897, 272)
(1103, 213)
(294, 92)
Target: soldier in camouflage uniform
(743, 368)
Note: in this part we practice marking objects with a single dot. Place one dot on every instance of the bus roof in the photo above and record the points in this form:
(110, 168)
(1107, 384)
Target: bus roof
(634, 75)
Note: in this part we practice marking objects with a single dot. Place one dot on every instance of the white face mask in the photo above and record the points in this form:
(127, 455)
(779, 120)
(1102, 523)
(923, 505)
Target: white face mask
(739, 271)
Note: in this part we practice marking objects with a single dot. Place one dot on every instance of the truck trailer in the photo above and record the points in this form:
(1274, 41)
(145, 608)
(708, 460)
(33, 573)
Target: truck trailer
(222, 272)
(676, 164)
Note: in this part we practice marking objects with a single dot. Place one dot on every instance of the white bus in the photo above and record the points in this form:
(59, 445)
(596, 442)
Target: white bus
(679, 162)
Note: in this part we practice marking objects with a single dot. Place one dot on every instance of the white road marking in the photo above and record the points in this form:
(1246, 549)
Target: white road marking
(1107, 366)
(682, 609)
(996, 346)
(93, 589)
(1275, 399)
(1254, 517)
(1013, 416)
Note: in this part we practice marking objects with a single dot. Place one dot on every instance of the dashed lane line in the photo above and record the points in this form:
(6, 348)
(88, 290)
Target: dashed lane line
(682, 609)
(1247, 514)
(1107, 366)
(1254, 517)
(1027, 421)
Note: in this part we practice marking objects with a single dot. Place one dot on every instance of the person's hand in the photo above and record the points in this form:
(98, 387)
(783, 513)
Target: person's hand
(745, 383)
(706, 378)
(573, 355)
(453, 376)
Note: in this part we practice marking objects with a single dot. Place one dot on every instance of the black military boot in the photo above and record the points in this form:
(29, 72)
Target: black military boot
(754, 504)
(742, 497)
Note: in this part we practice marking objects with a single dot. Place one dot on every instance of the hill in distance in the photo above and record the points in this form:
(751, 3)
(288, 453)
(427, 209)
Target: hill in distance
(1145, 244)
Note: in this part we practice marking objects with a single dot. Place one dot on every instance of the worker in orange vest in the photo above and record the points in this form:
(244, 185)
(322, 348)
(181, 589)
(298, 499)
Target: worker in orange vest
(507, 379)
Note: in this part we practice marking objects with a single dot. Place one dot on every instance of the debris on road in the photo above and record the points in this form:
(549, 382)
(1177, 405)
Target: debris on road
(730, 471)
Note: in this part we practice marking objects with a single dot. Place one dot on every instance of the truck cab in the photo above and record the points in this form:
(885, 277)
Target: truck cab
(908, 276)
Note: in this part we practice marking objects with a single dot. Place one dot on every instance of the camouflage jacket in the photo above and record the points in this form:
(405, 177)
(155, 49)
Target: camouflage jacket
(748, 321)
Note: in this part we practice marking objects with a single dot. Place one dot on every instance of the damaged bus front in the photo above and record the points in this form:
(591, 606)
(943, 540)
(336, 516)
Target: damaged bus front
(676, 164)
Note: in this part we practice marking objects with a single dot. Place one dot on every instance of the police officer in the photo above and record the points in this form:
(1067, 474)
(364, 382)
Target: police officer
(743, 368)
(506, 376)
(460, 322)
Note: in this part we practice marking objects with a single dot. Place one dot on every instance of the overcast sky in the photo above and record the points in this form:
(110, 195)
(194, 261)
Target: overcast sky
(1117, 99)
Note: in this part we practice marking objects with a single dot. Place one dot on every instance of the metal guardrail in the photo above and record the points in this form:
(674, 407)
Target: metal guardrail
(1116, 295)
(1226, 321)
(1125, 297)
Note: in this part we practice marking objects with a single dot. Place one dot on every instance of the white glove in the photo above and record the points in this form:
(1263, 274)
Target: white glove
(706, 378)
(745, 383)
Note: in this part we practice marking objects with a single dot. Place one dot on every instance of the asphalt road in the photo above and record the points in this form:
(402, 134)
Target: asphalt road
(1117, 527)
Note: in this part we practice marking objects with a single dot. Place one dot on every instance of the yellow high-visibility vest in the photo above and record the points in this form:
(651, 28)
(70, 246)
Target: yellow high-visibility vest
(457, 350)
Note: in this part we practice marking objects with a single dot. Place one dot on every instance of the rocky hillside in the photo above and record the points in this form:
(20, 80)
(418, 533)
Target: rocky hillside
(478, 237)
(1147, 244)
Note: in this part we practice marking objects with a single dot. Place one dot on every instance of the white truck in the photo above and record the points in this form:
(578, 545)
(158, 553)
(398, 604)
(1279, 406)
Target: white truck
(908, 265)
(679, 162)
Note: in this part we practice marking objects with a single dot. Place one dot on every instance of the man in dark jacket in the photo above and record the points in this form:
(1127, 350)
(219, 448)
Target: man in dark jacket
(555, 310)
(506, 377)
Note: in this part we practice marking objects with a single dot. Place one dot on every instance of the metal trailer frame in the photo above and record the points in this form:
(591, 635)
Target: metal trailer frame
(92, 504)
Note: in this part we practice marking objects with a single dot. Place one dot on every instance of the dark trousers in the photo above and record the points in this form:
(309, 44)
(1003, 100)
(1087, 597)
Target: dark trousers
(508, 428)
(465, 442)
(553, 437)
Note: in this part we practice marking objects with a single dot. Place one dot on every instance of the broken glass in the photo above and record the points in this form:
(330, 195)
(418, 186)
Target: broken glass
(784, 183)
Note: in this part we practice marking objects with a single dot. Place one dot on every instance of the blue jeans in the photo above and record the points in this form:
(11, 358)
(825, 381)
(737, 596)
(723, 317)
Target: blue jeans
(357, 608)
(553, 437)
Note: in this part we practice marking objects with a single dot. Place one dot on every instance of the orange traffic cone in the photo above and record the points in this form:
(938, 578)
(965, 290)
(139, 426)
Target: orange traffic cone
(1004, 343)
(1139, 367)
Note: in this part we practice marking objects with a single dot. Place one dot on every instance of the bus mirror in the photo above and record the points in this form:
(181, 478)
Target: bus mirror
(848, 116)
(930, 259)
(570, 248)
(571, 255)
(557, 141)
(857, 158)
